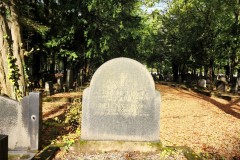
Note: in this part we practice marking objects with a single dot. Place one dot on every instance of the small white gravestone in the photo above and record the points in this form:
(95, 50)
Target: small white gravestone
(202, 83)
(121, 103)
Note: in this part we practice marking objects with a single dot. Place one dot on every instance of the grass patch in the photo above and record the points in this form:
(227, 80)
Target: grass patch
(14, 157)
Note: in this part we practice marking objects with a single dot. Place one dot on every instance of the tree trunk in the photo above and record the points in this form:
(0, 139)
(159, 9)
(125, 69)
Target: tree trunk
(183, 72)
(5, 84)
(206, 72)
(52, 64)
(11, 46)
(18, 52)
(175, 71)
(235, 46)
(211, 70)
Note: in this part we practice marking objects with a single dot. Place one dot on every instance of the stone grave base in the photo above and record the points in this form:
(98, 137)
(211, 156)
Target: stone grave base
(23, 155)
(107, 146)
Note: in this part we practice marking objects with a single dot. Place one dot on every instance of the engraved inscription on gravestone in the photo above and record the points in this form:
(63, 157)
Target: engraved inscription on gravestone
(121, 103)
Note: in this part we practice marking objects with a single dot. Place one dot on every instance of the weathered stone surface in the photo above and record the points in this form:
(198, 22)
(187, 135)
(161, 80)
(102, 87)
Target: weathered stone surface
(21, 121)
(223, 79)
(69, 80)
(49, 88)
(60, 84)
(202, 83)
(221, 86)
(121, 103)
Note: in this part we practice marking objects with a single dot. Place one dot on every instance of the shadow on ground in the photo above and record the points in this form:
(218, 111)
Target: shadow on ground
(227, 108)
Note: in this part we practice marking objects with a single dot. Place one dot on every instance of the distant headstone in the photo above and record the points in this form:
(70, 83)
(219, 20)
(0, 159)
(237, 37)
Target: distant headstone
(121, 103)
(69, 80)
(60, 84)
(49, 88)
(21, 121)
(77, 85)
(221, 86)
(3, 147)
(223, 79)
(202, 83)
(80, 79)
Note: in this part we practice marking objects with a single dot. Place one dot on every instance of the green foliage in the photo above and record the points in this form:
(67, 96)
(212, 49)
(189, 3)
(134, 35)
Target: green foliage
(111, 29)
(167, 152)
(14, 75)
(152, 46)
(158, 145)
(187, 35)
(61, 40)
(71, 122)
(33, 25)
(206, 156)
(70, 139)
(196, 33)
(18, 156)
(79, 30)
(71, 55)
(73, 115)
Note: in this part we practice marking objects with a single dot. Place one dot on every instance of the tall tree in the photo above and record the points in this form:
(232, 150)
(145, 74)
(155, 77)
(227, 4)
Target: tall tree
(201, 34)
(112, 29)
(12, 77)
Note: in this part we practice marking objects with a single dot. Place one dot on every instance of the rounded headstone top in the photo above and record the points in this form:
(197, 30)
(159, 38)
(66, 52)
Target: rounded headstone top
(123, 72)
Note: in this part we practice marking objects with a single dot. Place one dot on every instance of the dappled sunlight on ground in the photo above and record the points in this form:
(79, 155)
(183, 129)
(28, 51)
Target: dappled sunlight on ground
(203, 123)
(53, 109)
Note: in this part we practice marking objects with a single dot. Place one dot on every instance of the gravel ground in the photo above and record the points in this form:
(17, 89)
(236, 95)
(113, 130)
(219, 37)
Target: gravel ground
(205, 124)
(119, 155)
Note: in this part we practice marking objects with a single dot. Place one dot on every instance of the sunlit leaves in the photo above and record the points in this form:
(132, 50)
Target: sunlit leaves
(111, 28)
(14, 75)
(41, 29)
(71, 55)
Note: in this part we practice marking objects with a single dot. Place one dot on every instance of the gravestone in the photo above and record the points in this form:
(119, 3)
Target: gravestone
(3, 147)
(121, 103)
(60, 84)
(49, 88)
(223, 79)
(69, 80)
(80, 79)
(77, 85)
(202, 83)
(21, 121)
(221, 86)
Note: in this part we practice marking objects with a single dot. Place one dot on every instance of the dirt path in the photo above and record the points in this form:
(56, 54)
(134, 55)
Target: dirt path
(205, 124)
